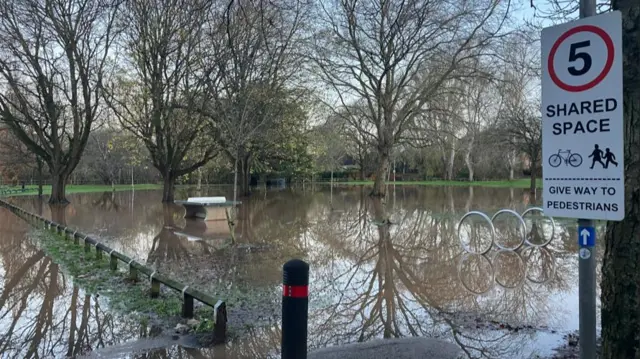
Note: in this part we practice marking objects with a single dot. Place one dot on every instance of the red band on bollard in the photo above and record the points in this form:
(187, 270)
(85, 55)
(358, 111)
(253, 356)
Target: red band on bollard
(295, 291)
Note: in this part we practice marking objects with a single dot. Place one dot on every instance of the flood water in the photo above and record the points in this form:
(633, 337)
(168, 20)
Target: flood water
(369, 279)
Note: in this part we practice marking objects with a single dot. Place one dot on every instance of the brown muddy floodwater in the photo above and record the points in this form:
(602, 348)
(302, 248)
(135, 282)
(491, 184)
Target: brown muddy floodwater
(368, 279)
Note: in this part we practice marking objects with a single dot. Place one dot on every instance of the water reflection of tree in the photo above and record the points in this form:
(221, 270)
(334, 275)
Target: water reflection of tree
(41, 315)
(167, 247)
(107, 201)
(399, 279)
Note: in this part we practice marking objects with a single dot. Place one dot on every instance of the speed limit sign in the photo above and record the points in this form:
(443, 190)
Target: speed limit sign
(582, 119)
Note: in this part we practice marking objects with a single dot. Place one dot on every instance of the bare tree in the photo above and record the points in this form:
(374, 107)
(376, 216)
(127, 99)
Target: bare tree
(444, 123)
(519, 120)
(620, 303)
(160, 94)
(330, 145)
(252, 48)
(521, 127)
(54, 56)
(106, 154)
(478, 111)
(395, 55)
(16, 155)
(355, 126)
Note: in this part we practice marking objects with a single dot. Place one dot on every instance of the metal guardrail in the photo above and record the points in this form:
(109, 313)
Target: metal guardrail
(9, 190)
(188, 293)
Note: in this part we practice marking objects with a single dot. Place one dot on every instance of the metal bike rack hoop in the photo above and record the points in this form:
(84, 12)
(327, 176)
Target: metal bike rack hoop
(522, 223)
(493, 232)
(553, 227)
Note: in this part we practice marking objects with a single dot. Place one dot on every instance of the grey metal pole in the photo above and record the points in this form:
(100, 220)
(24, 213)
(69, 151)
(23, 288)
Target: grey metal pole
(587, 263)
(587, 296)
(587, 8)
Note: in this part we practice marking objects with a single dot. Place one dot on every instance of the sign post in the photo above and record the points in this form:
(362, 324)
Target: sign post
(583, 138)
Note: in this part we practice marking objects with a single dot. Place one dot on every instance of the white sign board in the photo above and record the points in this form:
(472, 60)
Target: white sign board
(582, 128)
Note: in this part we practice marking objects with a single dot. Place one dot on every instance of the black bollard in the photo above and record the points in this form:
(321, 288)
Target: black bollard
(295, 307)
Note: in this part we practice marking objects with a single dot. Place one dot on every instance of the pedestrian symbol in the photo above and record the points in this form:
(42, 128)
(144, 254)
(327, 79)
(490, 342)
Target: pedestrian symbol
(610, 157)
(597, 156)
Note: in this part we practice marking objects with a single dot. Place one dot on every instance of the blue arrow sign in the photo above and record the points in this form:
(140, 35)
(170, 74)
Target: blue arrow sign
(586, 236)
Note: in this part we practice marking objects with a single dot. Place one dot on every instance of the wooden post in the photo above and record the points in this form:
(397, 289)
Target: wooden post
(113, 261)
(98, 253)
(220, 322)
(187, 304)
(155, 286)
(133, 271)
(87, 246)
(231, 223)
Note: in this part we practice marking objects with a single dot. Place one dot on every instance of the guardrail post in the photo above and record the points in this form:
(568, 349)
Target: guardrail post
(155, 286)
(187, 304)
(295, 307)
(98, 253)
(113, 261)
(133, 271)
(220, 321)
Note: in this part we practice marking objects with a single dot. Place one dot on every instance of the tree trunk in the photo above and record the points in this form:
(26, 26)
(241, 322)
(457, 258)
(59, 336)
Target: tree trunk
(379, 186)
(452, 158)
(235, 181)
(512, 164)
(59, 213)
(40, 176)
(168, 187)
(532, 186)
(199, 186)
(467, 160)
(620, 275)
(245, 177)
(58, 188)
(363, 175)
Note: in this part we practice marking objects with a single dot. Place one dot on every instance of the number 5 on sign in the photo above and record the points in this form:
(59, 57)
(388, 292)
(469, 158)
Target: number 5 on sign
(584, 56)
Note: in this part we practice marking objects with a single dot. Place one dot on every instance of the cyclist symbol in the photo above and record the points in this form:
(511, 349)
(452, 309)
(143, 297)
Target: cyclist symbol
(570, 159)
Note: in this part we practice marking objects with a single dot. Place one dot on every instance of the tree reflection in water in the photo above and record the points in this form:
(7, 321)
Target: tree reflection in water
(41, 314)
(371, 276)
(108, 201)
(379, 279)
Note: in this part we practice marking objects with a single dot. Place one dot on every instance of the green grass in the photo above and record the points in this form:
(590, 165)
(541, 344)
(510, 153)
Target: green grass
(519, 183)
(46, 190)
(94, 276)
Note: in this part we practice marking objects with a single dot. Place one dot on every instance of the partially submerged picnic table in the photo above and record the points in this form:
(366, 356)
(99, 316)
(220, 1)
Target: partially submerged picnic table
(207, 208)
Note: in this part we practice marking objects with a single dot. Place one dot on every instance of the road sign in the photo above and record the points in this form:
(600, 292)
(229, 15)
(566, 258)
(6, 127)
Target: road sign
(582, 128)
(585, 253)
(586, 236)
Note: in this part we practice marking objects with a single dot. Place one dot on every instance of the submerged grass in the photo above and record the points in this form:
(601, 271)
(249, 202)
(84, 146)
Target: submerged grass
(95, 277)
(519, 183)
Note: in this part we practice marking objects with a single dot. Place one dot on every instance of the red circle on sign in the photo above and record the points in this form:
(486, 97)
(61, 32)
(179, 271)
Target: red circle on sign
(607, 66)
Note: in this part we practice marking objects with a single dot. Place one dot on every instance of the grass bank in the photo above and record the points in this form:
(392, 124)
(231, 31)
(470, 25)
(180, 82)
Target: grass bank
(519, 183)
(124, 296)
(83, 188)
